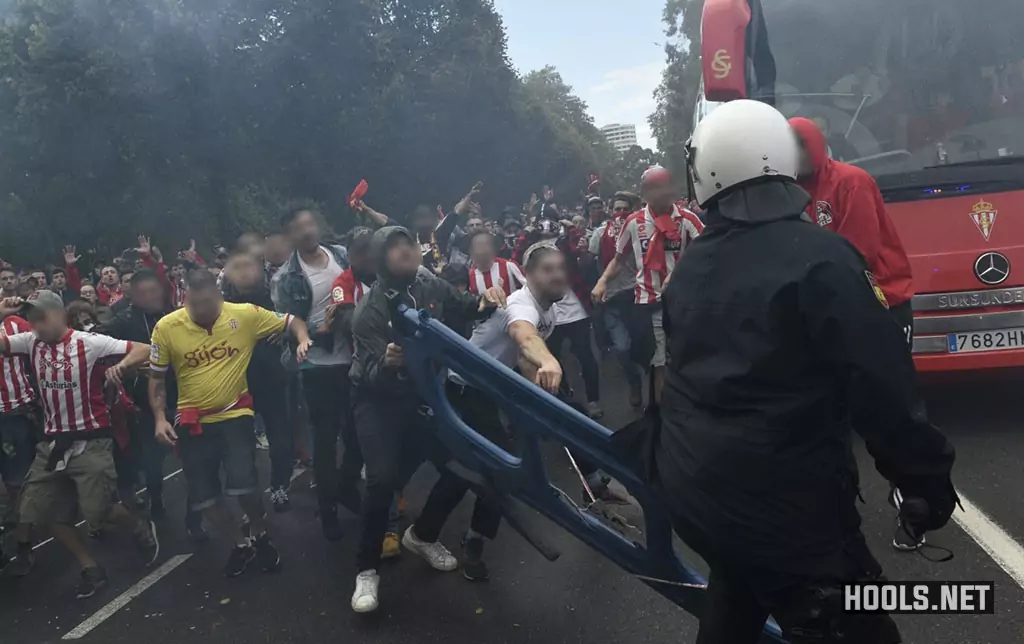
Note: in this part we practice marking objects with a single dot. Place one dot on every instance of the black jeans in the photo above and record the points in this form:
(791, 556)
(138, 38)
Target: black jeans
(396, 438)
(143, 454)
(269, 389)
(578, 335)
(328, 398)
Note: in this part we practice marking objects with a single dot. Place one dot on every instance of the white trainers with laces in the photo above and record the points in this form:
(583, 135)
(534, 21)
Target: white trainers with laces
(364, 599)
(435, 554)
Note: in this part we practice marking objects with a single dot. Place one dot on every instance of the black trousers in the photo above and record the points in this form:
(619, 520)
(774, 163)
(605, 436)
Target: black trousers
(269, 389)
(396, 438)
(328, 399)
(808, 609)
(578, 335)
(143, 454)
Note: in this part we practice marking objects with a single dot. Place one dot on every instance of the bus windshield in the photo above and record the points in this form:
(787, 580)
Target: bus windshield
(901, 85)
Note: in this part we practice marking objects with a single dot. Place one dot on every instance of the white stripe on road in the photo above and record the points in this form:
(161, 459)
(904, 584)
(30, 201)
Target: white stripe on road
(122, 600)
(999, 545)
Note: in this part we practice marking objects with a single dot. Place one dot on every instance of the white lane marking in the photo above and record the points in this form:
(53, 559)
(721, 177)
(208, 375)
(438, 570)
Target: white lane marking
(999, 545)
(122, 600)
(79, 524)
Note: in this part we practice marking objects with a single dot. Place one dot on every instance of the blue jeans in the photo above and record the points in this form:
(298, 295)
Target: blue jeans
(619, 335)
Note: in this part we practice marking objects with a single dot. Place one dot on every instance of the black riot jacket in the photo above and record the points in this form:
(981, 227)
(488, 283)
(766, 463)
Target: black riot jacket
(779, 344)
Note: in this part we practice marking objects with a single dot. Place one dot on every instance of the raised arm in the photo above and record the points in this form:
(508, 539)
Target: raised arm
(71, 269)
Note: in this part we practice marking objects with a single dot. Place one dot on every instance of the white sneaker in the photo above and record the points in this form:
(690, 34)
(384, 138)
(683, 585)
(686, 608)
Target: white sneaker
(364, 599)
(436, 554)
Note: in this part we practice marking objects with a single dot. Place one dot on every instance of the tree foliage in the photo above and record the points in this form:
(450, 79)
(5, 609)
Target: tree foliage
(677, 94)
(203, 118)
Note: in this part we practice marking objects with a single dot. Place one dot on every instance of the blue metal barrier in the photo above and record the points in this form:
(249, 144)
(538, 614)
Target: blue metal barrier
(428, 345)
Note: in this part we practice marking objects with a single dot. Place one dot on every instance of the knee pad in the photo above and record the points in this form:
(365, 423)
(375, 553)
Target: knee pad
(817, 617)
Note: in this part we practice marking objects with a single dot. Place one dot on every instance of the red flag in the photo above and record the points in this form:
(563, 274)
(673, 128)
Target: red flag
(593, 180)
(358, 194)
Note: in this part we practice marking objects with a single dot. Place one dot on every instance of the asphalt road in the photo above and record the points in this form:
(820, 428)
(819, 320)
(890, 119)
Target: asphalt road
(581, 598)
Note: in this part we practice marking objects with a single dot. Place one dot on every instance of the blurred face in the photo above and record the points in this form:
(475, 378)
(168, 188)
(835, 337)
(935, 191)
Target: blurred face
(304, 232)
(277, 249)
(621, 208)
(597, 212)
(40, 278)
(660, 196)
(84, 321)
(88, 293)
(806, 165)
(126, 280)
(148, 295)
(8, 281)
(579, 221)
(204, 305)
(49, 325)
(481, 251)
(512, 229)
(474, 224)
(244, 272)
(139, 264)
(251, 243)
(178, 272)
(492, 227)
(403, 259)
(109, 276)
(360, 260)
(547, 278)
(60, 281)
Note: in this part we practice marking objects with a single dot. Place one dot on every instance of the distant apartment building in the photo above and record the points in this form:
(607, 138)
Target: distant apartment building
(622, 137)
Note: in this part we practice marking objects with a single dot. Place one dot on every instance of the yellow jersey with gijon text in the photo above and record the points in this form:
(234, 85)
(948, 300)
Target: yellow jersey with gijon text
(210, 363)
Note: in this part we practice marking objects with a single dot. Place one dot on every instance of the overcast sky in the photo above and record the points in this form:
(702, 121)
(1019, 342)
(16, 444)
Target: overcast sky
(610, 51)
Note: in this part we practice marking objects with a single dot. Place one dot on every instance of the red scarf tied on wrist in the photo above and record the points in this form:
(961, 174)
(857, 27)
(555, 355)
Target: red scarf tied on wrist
(666, 229)
(610, 238)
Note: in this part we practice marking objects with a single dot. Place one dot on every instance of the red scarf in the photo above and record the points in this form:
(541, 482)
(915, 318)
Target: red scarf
(666, 229)
(190, 418)
(610, 238)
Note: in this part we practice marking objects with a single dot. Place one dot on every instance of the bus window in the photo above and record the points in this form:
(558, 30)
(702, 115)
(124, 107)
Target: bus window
(899, 85)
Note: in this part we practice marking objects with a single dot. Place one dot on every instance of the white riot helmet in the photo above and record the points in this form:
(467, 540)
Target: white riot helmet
(737, 142)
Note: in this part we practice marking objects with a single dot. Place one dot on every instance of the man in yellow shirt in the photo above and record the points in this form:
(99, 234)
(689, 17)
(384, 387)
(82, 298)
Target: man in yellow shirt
(208, 345)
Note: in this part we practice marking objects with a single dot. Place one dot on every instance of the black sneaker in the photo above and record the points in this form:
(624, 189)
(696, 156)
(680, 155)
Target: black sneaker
(147, 543)
(194, 527)
(329, 523)
(93, 580)
(905, 540)
(239, 560)
(267, 555)
(22, 564)
(279, 497)
(473, 566)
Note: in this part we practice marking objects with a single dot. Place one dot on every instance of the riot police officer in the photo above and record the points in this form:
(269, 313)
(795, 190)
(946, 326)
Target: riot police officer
(779, 342)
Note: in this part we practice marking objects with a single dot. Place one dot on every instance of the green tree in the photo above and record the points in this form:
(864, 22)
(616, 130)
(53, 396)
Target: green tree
(677, 94)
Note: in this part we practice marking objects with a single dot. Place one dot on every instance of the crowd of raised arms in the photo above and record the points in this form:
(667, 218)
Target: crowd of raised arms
(104, 370)
(743, 340)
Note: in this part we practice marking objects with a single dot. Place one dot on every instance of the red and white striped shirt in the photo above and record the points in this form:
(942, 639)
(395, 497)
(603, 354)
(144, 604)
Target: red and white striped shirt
(70, 377)
(504, 273)
(636, 237)
(15, 389)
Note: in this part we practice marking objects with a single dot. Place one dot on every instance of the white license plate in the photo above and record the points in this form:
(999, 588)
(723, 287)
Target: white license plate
(985, 340)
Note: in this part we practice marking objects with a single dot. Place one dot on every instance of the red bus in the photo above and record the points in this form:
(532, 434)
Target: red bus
(928, 97)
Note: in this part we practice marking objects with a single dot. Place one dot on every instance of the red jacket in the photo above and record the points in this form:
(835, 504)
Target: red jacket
(846, 200)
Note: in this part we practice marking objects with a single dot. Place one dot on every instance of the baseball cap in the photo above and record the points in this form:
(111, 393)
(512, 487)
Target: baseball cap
(45, 301)
(359, 239)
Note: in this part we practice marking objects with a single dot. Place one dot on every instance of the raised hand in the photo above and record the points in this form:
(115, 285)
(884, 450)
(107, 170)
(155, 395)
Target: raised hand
(144, 247)
(69, 255)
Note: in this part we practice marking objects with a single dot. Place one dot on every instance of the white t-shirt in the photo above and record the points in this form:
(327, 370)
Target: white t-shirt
(321, 279)
(569, 309)
(491, 336)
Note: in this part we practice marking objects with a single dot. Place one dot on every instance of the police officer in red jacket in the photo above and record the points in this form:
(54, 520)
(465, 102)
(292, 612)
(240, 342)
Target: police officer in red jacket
(845, 199)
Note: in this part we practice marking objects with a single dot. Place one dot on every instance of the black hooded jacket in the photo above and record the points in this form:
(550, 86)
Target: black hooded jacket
(779, 342)
(371, 324)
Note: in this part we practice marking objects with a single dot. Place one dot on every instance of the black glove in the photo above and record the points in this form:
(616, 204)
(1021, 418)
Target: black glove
(926, 505)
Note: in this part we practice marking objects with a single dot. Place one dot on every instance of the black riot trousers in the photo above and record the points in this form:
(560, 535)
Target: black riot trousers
(810, 611)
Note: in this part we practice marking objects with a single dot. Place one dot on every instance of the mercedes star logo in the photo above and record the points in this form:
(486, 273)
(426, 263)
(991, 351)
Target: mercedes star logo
(992, 268)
